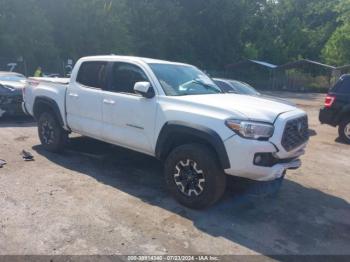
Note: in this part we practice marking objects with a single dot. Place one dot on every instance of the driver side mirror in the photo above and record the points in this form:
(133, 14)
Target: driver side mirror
(145, 89)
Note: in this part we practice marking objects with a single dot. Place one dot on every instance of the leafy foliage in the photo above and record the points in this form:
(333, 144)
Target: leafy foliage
(210, 34)
(337, 50)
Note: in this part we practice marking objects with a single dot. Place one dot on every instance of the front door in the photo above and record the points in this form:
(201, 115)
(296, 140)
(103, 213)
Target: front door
(129, 118)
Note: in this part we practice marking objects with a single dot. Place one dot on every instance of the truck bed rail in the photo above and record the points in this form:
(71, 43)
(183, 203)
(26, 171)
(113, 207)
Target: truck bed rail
(51, 80)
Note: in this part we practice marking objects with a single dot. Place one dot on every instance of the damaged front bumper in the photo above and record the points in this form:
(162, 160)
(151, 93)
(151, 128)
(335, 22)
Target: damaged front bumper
(10, 102)
(243, 159)
(11, 106)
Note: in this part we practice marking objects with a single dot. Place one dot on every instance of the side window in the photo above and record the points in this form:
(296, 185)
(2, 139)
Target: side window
(92, 74)
(124, 77)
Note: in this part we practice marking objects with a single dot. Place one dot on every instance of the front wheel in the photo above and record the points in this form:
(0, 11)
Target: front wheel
(52, 136)
(344, 130)
(194, 176)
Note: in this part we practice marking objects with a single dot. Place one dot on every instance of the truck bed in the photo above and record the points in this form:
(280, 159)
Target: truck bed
(46, 87)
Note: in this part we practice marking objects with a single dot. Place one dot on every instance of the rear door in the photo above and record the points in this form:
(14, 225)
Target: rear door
(84, 99)
(128, 118)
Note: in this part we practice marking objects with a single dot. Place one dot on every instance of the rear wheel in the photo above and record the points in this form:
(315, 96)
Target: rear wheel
(194, 176)
(344, 130)
(52, 136)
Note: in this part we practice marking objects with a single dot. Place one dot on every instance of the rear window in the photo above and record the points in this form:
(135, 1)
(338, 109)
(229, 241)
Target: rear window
(93, 74)
(342, 86)
(243, 88)
(224, 87)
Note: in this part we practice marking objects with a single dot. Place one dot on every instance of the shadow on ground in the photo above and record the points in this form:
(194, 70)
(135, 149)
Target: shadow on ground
(298, 220)
(17, 121)
(312, 132)
(340, 141)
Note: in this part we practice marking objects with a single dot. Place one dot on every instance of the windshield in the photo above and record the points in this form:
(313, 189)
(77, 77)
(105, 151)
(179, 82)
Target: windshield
(11, 78)
(243, 88)
(181, 80)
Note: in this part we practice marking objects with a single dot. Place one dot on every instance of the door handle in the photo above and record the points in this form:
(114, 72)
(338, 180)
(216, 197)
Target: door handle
(73, 95)
(108, 102)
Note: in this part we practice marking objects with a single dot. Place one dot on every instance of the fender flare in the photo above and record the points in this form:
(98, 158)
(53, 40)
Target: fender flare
(43, 100)
(172, 128)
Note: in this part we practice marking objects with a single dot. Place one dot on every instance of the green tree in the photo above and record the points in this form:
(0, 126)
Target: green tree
(25, 31)
(286, 30)
(337, 50)
(210, 34)
(87, 27)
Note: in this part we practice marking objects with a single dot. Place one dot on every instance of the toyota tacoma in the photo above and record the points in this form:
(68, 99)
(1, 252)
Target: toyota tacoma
(174, 112)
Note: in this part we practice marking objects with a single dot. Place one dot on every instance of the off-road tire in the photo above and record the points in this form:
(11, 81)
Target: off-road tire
(206, 161)
(52, 135)
(342, 132)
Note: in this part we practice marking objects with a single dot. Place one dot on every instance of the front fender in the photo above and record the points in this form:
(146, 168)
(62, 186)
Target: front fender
(176, 128)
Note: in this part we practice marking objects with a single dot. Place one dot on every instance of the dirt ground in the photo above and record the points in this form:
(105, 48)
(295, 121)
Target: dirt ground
(99, 199)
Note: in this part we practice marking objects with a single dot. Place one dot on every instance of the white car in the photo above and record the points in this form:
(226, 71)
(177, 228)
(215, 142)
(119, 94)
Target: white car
(173, 112)
(241, 88)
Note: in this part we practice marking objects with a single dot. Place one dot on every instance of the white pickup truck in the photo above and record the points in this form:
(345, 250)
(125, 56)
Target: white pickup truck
(174, 112)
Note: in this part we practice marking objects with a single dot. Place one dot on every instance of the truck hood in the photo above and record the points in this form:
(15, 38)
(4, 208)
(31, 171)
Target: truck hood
(253, 108)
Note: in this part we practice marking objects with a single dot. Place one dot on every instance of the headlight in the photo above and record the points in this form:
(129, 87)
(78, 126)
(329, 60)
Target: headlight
(250, 129)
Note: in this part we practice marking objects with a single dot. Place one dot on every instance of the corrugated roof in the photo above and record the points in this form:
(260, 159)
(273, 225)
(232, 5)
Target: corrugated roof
(257, 62)
(343, 67)
(304, 62)
(263, 63)
(288, 65)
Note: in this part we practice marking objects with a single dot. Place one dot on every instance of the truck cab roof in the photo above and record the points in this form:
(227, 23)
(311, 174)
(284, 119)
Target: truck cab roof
(112, 58)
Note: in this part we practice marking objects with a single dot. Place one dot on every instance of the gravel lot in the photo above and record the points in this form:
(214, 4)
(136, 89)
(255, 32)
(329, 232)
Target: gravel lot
(99, 199)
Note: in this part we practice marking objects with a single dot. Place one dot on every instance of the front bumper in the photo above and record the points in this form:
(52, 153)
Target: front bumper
(242, 153)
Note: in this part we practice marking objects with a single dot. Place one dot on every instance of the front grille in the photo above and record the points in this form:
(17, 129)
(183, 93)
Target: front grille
(295, 133)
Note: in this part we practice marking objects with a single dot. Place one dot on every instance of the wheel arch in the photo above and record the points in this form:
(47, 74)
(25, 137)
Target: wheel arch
(43, 104)
(176, 133)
